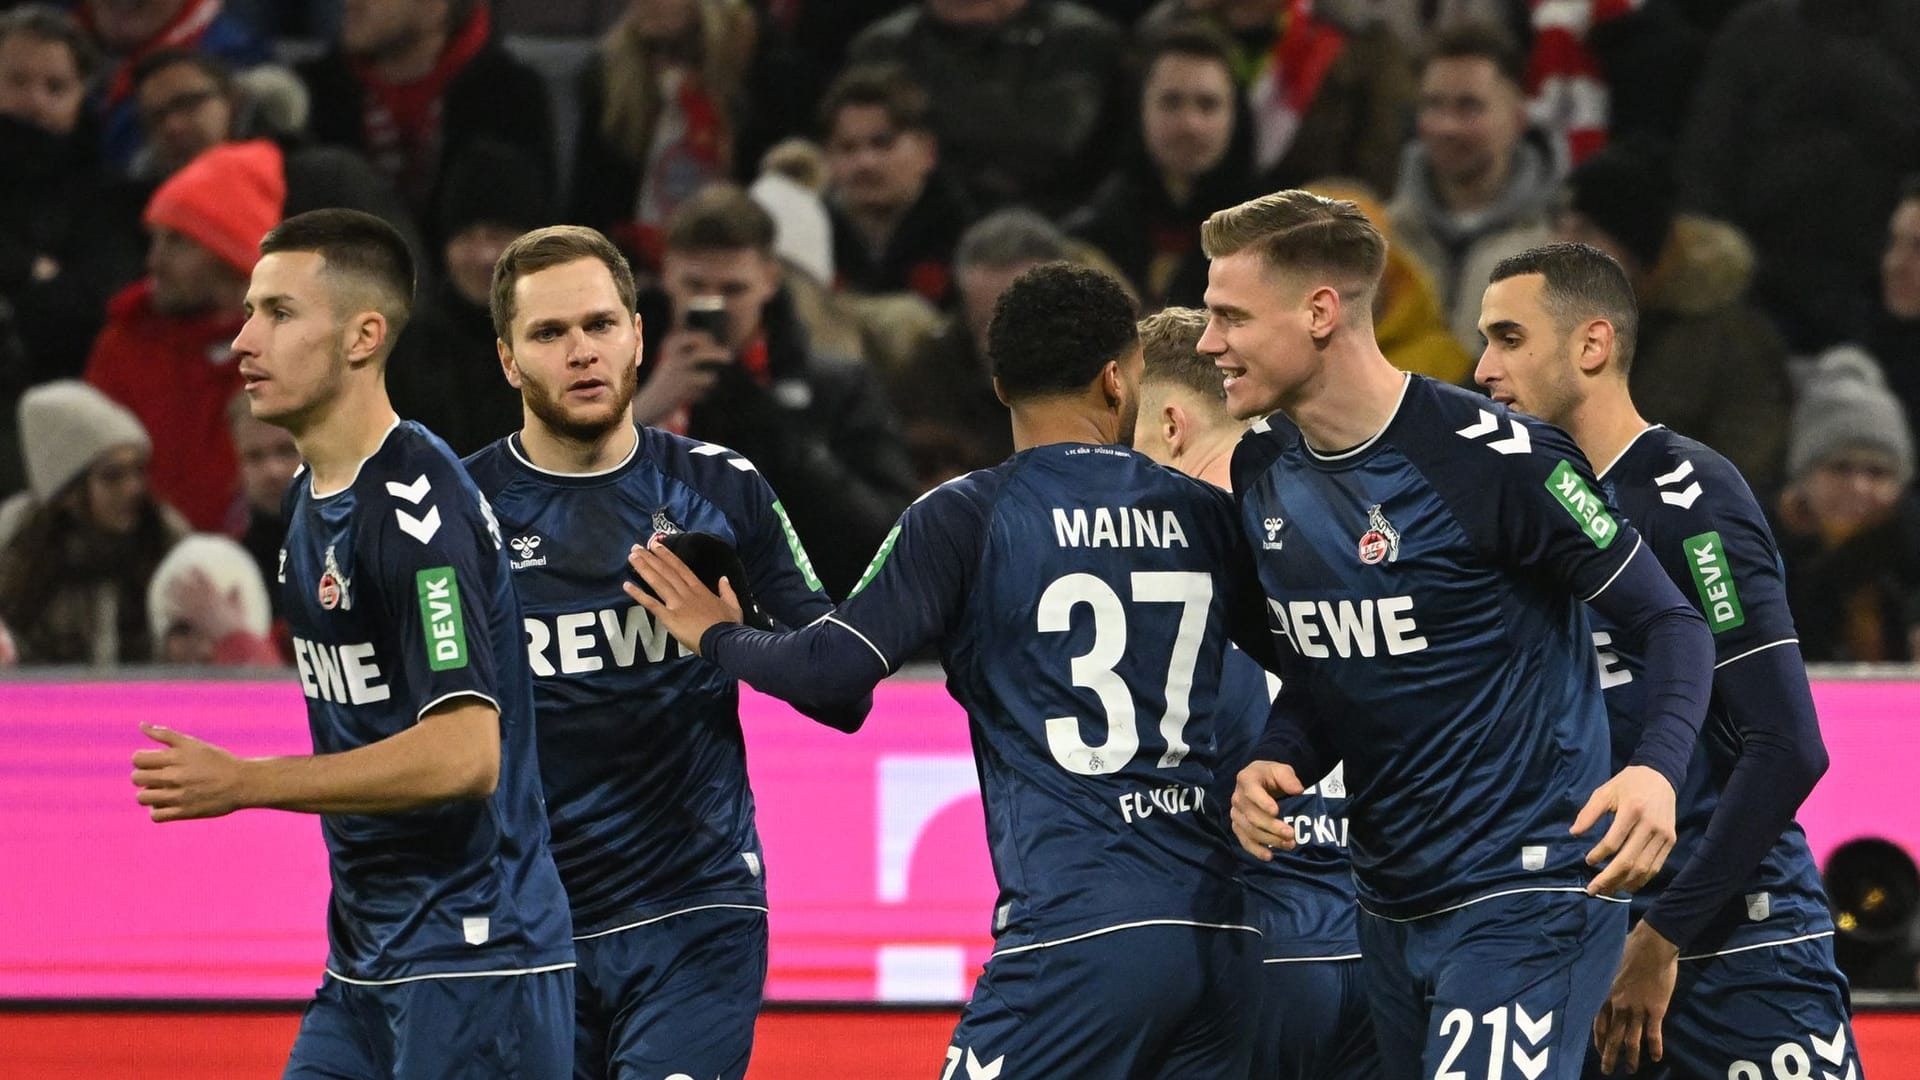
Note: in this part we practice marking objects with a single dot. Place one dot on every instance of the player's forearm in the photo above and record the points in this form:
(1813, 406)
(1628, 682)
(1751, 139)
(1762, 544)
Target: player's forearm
(451, 754)
(1781, 759)
(842, 716)
(826, 665)
(1656, 620)
(1292, 739)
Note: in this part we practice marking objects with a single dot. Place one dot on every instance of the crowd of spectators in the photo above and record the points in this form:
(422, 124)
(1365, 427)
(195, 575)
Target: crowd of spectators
(838, 190)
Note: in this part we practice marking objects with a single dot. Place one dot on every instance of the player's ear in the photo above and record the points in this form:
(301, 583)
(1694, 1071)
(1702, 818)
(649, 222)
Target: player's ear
(507, 366)
(639, 339)
(1113, 385)
(1595, 346)
(363, 336)
(1175, 425)
(1323, 312)
(1000, 392)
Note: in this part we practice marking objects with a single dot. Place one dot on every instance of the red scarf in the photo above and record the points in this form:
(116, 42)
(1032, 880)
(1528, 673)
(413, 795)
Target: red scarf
(183, 31)
(401, 122)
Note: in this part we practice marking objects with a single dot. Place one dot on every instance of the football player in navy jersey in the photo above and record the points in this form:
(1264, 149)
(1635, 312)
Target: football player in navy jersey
(1428, 557)
(1738, 919)
(449, 940)
(1314, 1023)
(1080, 596)
(640, 744)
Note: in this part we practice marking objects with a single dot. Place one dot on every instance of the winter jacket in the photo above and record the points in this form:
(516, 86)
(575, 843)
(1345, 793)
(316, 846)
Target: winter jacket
(1152, 240)
(445, 373)
(1708, 364)
(917, 257)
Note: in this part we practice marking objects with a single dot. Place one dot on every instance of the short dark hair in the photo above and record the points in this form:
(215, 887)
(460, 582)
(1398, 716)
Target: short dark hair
(1056, 327)
(543, 249)
(1296, 231)
(1479, 41)
(48, 23)
(720, 217)
(1170, 340)
(211, 66)
(1582, 282)
(889, 87)
(1197, 39)
(356, 246)
(1010, 237)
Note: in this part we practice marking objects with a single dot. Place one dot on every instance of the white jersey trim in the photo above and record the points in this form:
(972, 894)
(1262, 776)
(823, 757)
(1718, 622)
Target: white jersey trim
(332, 974)
(513, 447)
(1406, 382)
(1122, 926)
(1762, 945)
(884, 662)
(1496, 896)
(1602, 474)
(355, 478)
(444, 698)
(1310, 959)
(683, 911)
(1638, 543)
(1756, 649)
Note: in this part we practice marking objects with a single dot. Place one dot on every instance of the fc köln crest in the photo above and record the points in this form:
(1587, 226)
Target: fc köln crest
(333, 585)
(1381, 541)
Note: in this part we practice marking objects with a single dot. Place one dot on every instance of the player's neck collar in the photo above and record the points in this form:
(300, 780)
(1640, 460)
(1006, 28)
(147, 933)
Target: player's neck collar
(313, 488)
(1351, 452)
(519, 452)
(1602, 474)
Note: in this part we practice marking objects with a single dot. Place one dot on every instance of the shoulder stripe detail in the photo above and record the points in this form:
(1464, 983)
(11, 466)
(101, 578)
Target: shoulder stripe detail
(864, 640)
(742, 464)
(1496, 896)
(1123, 926)
(1310, 959)
(332, 974)
(707, 449)
(1755, 649)
(657, 918)
(1638, 542)
(1762, 945)
(444, 698)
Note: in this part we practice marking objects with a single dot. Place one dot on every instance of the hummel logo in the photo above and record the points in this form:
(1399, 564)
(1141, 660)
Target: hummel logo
(664, 525)
(1683, 497)
(1517, 443)
(1273, 542)
(525, 546)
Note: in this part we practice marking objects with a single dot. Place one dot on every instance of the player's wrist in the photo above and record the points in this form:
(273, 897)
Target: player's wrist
(1648, 937)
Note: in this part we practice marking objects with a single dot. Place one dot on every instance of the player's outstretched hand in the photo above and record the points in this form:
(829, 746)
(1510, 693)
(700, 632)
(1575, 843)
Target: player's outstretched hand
(1638, 1001)
(1636, 847)
(685, 606)
(1257, 792)
(186, 778)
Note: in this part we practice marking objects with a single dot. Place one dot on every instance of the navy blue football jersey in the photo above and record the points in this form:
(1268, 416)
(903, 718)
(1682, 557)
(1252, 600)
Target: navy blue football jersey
(640, 745)
(1079, 596)
(1696, 513)
(1429, 583)
(1303, 900)
(397, 595)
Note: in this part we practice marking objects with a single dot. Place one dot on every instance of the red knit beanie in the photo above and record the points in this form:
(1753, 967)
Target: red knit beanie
(225, 200)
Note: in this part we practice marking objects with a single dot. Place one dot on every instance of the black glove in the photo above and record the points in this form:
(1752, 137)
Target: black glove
(712, 558)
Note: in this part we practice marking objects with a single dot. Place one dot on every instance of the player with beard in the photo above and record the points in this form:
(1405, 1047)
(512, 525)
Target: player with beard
(640, 744)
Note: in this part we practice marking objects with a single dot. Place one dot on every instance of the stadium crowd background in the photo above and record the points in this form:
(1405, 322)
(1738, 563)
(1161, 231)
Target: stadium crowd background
(824, 198)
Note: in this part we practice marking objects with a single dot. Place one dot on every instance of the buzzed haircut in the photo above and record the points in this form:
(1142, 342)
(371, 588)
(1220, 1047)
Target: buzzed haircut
(1170, 342)
(1582, 283)
(1056, 327)
(543, 249)
(1298, 232)
(720, 217)
(1474, 40)
(44, 22)
(356, 248)
(888, 87)
(1008, 238)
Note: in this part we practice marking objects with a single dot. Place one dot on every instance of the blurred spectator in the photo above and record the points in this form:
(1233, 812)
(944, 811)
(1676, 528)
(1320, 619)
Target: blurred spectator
(128, 30)
(1707, 363)
(78, 548)
(1893, 328)
(65, 244)
(1413, 25)
(791, 189)
(1806, 117)
(567, 18)
(954, 421)
(1849, 528)
(659, 115)
(207, 604)
(445, 370)
(1601, 70)
(1475, 185)
(190, 103)
(1408, 322)
(412, 83)
(896, 213)
(728, 362)
(268, 460)
(1146, 217)
(1322, 99)
(165, 350)
(1031, 98)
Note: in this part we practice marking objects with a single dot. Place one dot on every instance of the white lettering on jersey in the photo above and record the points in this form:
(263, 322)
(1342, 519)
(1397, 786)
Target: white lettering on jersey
(574, 640)
(1172, 799)
(342, 674)
(1350, 627)
(1613, 672)
(1117, 527)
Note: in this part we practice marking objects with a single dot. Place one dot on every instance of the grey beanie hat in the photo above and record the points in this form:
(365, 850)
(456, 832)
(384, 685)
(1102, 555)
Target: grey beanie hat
(1845, 405)
(64, 428)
